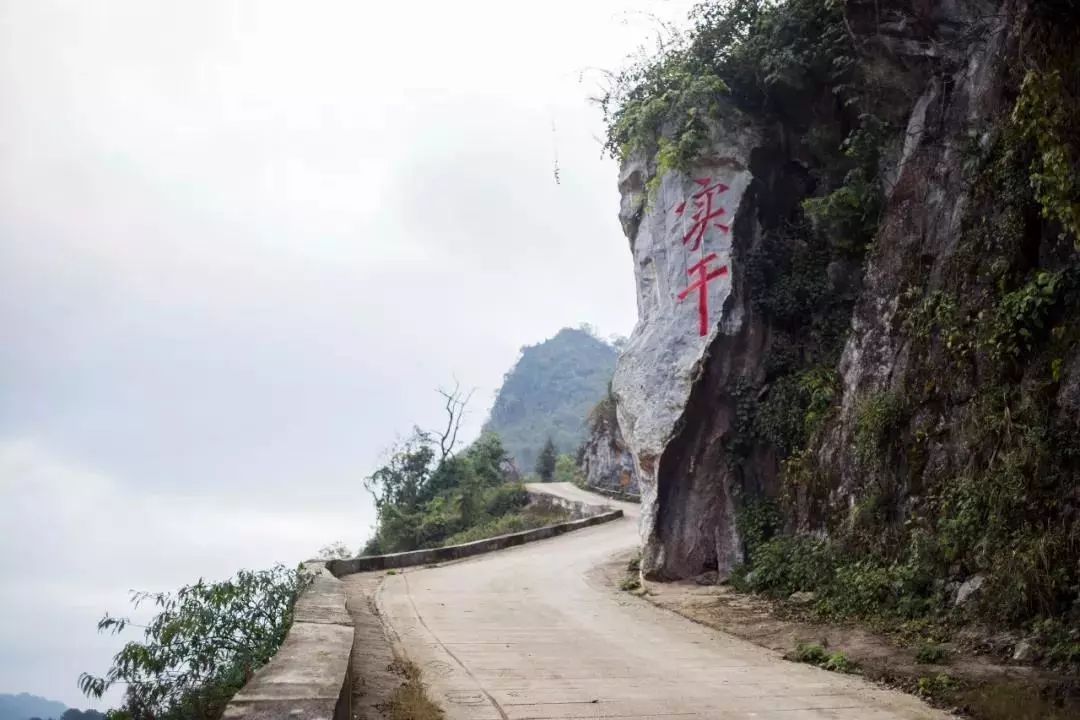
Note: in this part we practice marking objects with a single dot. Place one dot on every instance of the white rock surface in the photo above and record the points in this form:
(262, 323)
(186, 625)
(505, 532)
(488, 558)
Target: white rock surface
(607, 463)
(969, 589)
(663, 357)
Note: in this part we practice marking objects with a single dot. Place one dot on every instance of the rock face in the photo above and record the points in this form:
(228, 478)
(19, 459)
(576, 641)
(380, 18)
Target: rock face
(854, 379)
(956, 86)
(683, 236)
(606, 461)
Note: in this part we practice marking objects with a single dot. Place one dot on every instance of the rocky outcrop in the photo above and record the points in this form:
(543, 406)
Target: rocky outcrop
(691, 302)
(606, 461)
(951, 59)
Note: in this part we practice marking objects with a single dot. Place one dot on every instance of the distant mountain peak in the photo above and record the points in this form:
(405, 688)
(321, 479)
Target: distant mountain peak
(549, 393)
(24, 706)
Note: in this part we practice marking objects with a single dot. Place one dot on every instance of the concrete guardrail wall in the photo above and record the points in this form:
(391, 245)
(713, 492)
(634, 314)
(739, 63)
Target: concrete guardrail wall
(308, 677)
(614, 494)
(368, 563)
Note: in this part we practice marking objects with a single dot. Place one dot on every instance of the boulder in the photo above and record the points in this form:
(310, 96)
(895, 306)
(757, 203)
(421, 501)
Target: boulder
(802, 597)
(1024, 652)
(969, 590)
(709, 577)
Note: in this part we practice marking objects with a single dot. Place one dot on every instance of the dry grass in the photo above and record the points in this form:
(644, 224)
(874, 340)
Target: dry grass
(410, 701)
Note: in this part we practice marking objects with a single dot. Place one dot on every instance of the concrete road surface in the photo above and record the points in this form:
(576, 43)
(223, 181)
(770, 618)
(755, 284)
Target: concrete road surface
(525, 634)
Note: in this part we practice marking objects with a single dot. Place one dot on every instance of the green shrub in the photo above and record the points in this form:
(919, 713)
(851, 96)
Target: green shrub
(757, 521)
(1019, 322)
(1058, 641)
(813, 654)
(796, 406)
(929, 653)
(847, 584)
(862, 588)
(940, 314)
(202, 645)
(940, 687)
(567, 470)
(810, 653)
(529, 519)
(877, 420)
(749, 50)
(1045, 114)
(505, 499)
(424, 500)
(839, 662)
(785, 565)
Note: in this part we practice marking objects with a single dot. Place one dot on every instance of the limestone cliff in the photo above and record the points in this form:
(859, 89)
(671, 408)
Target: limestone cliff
(692, 305)
(606, 461)
(857, 295)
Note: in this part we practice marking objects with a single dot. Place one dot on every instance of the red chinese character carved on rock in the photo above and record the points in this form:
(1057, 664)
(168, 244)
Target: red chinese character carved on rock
(705, 215)
(701, 284)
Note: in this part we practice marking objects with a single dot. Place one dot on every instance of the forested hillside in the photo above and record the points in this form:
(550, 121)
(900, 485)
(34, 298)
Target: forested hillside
(549, 393)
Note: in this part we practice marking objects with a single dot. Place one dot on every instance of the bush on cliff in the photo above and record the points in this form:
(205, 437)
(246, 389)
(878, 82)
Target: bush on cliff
(765, 56)
(204, 643)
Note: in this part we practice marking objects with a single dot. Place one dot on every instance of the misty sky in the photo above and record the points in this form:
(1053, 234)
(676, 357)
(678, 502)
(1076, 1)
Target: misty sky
(240, 245)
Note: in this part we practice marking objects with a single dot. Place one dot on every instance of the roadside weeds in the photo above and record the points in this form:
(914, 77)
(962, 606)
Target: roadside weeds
(943, 674)
(410, 701)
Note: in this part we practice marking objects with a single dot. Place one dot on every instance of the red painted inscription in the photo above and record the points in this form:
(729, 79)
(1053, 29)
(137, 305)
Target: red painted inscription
(701, 285)
(705, 214)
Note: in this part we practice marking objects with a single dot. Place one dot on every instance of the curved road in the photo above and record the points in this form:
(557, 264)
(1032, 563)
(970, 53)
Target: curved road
(525, 634)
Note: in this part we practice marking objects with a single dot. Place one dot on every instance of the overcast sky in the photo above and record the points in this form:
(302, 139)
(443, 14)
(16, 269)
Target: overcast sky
(240, 245)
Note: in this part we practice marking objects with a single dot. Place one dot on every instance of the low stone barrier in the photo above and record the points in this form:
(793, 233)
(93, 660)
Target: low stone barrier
(369, 563)
(614, 494)
(308, 677)
(577, 508)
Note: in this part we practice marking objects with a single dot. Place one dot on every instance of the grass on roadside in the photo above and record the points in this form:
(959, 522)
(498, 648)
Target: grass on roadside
(929, 653)
(631, 582)
(813, 654)
(410, 701)
(528, 519)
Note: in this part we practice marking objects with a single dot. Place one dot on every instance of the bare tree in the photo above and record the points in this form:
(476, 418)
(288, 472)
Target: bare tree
(455, 402)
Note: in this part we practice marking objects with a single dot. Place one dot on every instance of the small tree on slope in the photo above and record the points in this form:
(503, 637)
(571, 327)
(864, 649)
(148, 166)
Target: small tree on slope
(545, 463)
